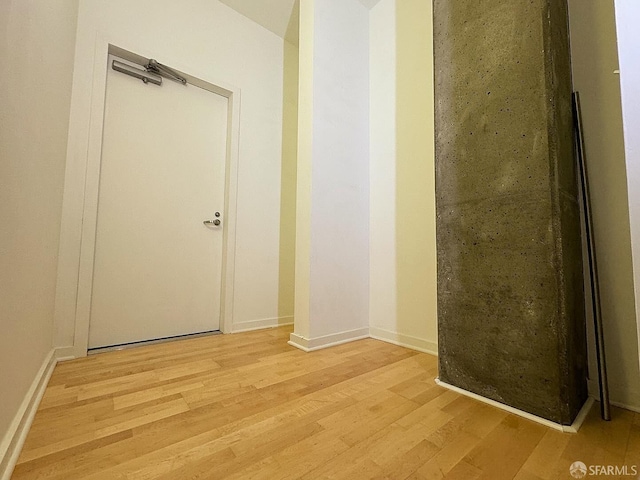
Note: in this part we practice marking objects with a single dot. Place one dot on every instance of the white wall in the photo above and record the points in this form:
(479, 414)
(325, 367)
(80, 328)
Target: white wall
(36, 48)
(627, 15)
(304, 172)
(340, 182)
(594, 58)
(399, 250)
(211, 41)
(332, 239)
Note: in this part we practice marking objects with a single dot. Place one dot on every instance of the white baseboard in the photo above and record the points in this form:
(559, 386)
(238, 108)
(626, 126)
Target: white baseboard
(581, 417)
(573, 428)
(628, 404)
(414, 343)
(15, 437)
(67, 353)
(318, 343)
(633, 408)
(260, 324)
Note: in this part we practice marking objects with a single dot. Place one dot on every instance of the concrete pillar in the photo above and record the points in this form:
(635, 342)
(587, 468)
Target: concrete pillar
(332, 217)
(510, 293)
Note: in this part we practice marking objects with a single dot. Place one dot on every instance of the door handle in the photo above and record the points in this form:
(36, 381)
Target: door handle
(215, 222)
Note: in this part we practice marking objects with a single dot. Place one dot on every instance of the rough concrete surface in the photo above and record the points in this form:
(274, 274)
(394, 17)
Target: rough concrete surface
(510, 299)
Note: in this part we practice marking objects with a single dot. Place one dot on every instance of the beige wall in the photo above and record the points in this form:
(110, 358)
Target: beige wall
(288, 181)
(403, 301)
(36, 47)
(594, 58)
(415, 172)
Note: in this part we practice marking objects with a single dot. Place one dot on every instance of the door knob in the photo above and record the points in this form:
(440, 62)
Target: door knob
(215, 222)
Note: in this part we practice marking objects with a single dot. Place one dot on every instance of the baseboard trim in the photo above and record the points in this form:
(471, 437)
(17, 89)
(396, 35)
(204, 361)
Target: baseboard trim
(318, 343)
(632, 408)
(17, 434)
(407, 341)
(581, 417)
(594, 391)
(66, 353)
(573, 428)
(260, 324)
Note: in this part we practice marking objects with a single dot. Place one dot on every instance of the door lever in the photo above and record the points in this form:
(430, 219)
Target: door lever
(215, 222)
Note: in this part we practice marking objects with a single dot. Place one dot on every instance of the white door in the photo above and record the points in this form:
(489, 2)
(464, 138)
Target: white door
(157, 270)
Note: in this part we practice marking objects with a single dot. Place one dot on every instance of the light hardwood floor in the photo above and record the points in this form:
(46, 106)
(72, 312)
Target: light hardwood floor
(249, 406)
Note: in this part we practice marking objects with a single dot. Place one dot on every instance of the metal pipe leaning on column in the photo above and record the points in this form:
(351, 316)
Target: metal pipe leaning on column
(605, 407)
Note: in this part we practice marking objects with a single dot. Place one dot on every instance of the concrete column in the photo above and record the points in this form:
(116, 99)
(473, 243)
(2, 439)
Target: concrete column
(510, 293)
(332, 218)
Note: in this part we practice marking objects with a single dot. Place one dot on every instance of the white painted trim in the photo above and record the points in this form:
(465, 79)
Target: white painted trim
(407, 341)
(633, 408)
(573, 428)
(580, 418)
(628, 51)
(318, 343)
(81, 206)
(260, 324)
(65, 353)
(15, 437)
(90, 199)
(231, 212)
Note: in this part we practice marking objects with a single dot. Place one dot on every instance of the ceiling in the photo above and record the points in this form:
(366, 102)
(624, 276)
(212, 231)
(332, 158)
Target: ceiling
(278, 16)
(273, 15)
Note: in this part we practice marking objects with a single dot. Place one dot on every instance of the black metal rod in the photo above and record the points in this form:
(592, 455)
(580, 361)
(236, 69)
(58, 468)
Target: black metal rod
(603, 383)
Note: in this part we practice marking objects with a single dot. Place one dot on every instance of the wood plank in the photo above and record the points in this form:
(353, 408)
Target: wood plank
(248, 406)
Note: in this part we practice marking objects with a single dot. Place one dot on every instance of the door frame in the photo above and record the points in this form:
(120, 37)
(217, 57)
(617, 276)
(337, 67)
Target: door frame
(79, 256)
